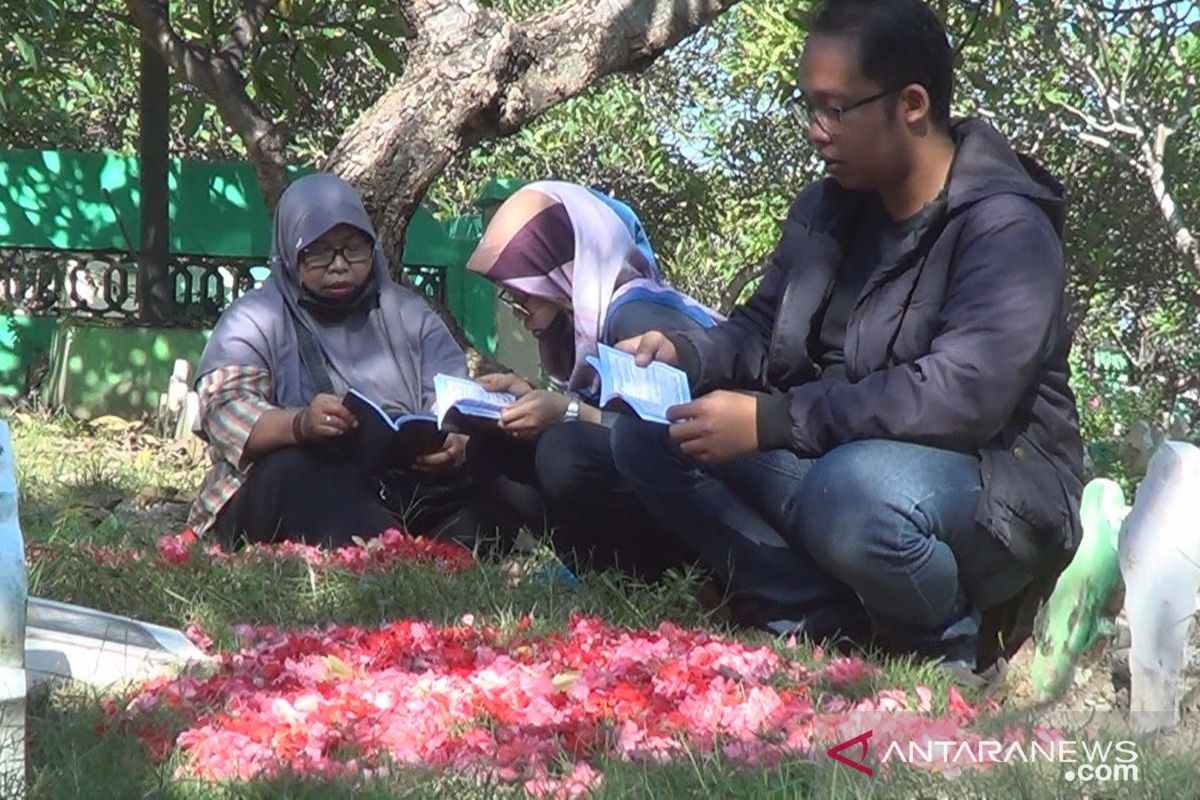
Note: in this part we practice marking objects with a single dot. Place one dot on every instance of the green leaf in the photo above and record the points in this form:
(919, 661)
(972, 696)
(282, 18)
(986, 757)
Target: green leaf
(205, 9)
(24, 49)
(337, 45)
(282, 84)
(191, 25)
(308, 70)
(194, 118)
(383, 52)
(338, 668)
(391, 25)
(49, 16)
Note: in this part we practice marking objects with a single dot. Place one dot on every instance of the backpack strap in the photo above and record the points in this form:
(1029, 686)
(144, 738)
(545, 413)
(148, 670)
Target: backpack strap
(312, 358)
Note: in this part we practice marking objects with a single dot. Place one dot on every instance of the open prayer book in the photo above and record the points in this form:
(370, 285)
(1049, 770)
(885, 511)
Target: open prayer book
(647, 391)
(466, 407)
(382, 440)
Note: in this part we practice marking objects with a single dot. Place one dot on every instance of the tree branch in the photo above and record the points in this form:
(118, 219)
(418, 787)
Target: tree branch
(244, 31)
(441, 24)
(1096, 125)
(479, 75)
(225, 86)
(1121, 8)
(613, 36)
(1153, 154)
(741, 280)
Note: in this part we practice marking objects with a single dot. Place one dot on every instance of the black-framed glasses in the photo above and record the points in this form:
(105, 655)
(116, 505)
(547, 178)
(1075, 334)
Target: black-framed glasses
(512, 302)
(829, 117)
(321, 256)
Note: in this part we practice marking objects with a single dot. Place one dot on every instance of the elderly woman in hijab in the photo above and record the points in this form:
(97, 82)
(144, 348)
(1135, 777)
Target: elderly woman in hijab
(329, 318)
(575, 267)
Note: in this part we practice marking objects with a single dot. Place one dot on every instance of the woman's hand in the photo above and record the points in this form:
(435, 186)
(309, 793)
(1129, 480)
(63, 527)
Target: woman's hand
(448, 459)
(532, 414)
(506, 382)
(325, 418)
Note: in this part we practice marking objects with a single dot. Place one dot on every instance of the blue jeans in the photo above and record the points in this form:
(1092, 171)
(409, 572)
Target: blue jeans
(881, 527)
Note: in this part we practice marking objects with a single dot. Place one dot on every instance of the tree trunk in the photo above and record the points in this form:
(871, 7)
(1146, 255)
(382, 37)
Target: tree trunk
(743, 278)
(1154, 154)
(475, 75)
(471, 74)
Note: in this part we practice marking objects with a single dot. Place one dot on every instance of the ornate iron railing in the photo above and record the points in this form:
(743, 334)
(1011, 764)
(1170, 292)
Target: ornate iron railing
(430, 280)
(104, 284)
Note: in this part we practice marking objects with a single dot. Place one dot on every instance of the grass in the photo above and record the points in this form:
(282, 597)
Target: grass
(72, 478)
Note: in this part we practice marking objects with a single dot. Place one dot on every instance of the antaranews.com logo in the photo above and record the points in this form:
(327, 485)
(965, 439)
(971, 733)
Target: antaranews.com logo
(1084, 761)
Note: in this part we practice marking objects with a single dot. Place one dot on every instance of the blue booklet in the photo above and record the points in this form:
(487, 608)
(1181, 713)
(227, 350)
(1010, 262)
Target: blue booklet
(646, 391)
(383, 441)
(466, 407)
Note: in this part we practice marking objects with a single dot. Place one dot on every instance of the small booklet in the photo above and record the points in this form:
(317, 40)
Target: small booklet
(647, 391)
(382, 440)
(464, 406)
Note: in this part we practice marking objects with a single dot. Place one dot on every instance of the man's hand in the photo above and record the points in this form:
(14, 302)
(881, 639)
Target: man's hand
(325, 418)
(448, 459)
(533, 413)
(506, 382)
(718, 427)
(650, 346)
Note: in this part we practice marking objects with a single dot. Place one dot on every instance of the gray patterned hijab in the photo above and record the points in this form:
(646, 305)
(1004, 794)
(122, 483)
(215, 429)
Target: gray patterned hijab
(388, 346)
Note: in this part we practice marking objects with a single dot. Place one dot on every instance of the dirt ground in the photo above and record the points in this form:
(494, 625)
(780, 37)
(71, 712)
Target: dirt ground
(1098, 696)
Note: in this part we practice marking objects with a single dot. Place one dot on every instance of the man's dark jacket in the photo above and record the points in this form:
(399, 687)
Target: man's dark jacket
(960, 343)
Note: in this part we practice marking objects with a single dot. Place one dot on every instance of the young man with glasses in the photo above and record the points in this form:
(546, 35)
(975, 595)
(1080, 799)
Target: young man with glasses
(884, 442)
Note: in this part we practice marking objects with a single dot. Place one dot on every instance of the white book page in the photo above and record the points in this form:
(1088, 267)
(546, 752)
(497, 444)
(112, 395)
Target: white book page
(450, 391)
(650, 391)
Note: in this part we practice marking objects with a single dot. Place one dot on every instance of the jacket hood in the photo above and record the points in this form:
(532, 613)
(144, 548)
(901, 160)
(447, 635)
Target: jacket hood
(986, 165)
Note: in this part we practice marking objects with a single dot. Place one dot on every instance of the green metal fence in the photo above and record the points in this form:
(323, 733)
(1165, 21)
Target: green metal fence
(69, 233)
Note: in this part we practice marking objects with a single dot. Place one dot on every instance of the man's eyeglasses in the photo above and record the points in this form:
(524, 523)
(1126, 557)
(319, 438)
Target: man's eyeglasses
(829, 117)
(321, 256)
(516, 305)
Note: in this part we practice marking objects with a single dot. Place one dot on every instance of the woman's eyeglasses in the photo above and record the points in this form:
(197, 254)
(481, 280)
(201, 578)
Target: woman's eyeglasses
(517, 306)
(321, 256)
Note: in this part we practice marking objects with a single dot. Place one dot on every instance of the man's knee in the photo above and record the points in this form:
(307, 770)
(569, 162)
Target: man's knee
(844, 488)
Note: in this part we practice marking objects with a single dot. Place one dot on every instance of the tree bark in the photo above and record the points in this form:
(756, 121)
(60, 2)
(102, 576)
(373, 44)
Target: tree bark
(1154, 155)
(744, 277)
(475, 75)
(471, 74)
(218, 76)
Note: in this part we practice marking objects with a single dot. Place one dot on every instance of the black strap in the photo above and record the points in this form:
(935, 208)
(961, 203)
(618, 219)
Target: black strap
(311, 357)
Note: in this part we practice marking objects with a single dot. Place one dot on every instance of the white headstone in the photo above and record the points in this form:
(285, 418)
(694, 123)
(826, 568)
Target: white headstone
(1160, 562)
(44, 640)
(66, 642)
(13, 592)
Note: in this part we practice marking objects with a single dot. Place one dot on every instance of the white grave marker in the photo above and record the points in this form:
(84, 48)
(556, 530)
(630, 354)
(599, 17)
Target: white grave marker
(1160, 562)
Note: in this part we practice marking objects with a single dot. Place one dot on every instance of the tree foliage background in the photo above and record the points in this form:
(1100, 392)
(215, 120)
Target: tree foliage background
(702, 143)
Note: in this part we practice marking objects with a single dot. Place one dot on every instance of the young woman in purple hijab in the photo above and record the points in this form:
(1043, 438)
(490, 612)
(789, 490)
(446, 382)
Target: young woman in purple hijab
(576, 269)
(329, 318)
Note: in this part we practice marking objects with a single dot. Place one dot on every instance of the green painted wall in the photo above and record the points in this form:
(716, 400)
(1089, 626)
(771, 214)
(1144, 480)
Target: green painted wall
(105, 369)
(24, 344)
(470, 298)
(89, 201)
